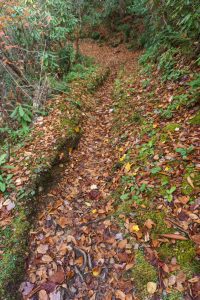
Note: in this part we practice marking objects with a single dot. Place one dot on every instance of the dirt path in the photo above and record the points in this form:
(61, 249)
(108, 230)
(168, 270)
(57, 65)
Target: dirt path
(75, 235)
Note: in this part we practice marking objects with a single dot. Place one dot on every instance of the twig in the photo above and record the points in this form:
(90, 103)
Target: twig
(89, 262)
(8, 154)
(178, 226)
(78, 273)
(94, 221)
(31, 294)
(17, 84)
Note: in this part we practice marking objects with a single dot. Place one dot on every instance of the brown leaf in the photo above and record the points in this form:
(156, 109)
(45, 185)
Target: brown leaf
(47, 259)
(57, 277)
(129, 297)
(172, 280)
(43, 295)
(155, 243)
(123, 257)
(42, 249)
(174, 236)
(129, 266)
(180, 277)
(165, 268)
(94, 194)
(62, 249)
(79, 261)
(122, 244)
(194, 279)
(149, 224)
(120, 295)
(184, 199)
(63, 222)
(48, 286)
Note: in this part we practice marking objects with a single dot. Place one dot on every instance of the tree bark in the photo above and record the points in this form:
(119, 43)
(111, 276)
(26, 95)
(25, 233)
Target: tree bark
(122, 8)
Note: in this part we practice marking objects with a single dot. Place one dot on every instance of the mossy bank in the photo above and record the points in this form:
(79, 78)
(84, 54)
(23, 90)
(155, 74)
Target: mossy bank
(52, 140)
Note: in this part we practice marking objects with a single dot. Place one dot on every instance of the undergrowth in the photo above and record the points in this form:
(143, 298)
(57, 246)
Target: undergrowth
(147, 183)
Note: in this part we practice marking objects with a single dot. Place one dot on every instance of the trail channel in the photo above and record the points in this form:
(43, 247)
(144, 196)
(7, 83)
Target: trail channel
(76, 243)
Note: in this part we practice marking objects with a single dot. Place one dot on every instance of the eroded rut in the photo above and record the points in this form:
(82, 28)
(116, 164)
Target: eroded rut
(75, 243)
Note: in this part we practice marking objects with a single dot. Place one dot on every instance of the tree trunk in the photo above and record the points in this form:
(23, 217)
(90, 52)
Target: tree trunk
(122, 8)
(77, 50)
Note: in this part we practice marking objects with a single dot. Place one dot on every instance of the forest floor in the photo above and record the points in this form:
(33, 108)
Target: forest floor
(83, 243)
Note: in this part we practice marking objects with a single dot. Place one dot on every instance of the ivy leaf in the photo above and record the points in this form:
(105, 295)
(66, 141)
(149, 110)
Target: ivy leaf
(155, 170)
(124, 196)
(2, 187)
(21, 111)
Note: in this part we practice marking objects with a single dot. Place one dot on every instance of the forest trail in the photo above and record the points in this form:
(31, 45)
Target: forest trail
(75, 235)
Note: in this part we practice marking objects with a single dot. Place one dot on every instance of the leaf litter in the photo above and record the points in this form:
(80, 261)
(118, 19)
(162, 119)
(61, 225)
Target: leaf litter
(78, 249)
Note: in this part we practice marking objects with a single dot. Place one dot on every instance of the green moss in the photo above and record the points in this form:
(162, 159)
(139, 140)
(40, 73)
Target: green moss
(196, 119)
(158, 217)
(142, 273)
(124, 208)
(135, 118)
(186, 188)
(185, 253)
(164, 137)
(65, 123)
(12, 263)
(171, 127)
(164, 181)
(174, 295)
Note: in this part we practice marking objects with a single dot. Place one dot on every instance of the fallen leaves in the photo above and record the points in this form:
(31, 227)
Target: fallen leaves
(149, 223)
(134, 228)
(196, 238)
(42, 249)
(174, 236)
(47, 259)
(9, 204)
(151, 287)
(63, 222)
(127, 167)
(109, 251)
(120, 295)
(122, 244)
(96, 271)
(57, 277)
(94, 194)
(189, 180)
(43, 295)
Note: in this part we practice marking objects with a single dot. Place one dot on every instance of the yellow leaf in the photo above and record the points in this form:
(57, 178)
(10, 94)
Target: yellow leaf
(135, 228)
(127, 167)
(94, 211)
(167, 168)
(136, 171)
(122, 158)
(77, 129)
(189, 180)
(96, 271)
(121, 149)
(151, 287)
